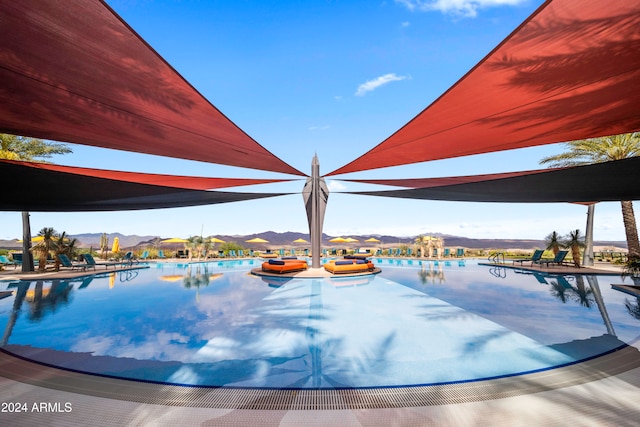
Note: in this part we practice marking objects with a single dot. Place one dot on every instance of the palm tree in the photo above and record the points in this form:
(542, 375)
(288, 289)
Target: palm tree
(65, 246)
(552, 242)
(44, 247)
(574, 242)
(604, 149)
(13, 147)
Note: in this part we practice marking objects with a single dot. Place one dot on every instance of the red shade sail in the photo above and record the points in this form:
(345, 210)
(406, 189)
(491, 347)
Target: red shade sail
(570, 71)
(73, 71)
(177, 181)
(50, 188)
(610, 181)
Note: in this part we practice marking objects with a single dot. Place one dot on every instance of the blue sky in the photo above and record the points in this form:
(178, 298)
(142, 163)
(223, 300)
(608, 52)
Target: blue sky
(333, 78)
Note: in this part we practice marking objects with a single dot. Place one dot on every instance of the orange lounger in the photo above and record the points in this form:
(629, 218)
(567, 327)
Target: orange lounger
(284, 266)
(349, 266)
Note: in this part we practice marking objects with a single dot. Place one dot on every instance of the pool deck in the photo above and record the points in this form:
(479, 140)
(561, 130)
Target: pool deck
(599, 268)
(12, 274)
(600, 391)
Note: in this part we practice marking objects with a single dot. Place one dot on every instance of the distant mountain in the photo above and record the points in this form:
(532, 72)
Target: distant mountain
(277, 240)
(93, 239)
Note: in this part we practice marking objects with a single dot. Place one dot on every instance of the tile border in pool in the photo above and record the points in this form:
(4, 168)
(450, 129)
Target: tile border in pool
(25, 371)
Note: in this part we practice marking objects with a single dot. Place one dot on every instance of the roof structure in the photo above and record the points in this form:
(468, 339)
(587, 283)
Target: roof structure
(610, 181)
(570, 71)
(94, 81)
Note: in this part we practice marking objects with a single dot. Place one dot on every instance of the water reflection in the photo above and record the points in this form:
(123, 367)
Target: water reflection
(40, 301)
(343, 282)
(633, 307)
(431, 272)
(385, 329)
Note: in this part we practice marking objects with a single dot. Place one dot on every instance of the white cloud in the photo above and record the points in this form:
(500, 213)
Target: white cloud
(405, 24)
(466, 8)
(377, 82)
(336, 186)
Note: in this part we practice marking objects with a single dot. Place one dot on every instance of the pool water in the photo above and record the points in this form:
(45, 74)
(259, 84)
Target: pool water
(417, 322)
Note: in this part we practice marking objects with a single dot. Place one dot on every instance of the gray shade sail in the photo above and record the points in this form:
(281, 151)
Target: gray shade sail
(610, 181)
(39, 189)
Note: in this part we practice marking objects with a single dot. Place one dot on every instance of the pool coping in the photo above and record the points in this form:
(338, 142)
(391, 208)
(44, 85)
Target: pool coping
(21, 370)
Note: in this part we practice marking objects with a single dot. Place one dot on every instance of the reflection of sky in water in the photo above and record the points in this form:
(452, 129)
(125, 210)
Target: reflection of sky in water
(216, 325)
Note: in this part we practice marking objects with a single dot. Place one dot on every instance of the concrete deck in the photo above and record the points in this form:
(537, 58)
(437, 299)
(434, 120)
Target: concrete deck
(16, 274)
(600, 268)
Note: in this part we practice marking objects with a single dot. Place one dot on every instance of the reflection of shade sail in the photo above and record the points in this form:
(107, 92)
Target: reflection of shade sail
(571, 71)
(94, 81)
(51, 190)
(610, 181)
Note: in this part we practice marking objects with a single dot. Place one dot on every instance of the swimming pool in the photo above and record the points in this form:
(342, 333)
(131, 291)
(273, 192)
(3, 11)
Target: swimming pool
(417, 322)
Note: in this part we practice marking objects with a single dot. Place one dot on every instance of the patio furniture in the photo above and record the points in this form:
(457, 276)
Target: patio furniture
(5, 261)
(537, 255)
(557, 260)
(88, 258)
(66, 262)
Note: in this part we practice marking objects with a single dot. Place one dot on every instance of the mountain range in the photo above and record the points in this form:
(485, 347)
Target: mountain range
(278, 240)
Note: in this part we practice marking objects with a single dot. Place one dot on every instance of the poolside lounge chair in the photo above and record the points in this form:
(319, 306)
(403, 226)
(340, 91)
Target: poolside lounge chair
(460, 252)
(5, 261)
(161, 254)
(144, 255)
(537, 255)
(17, 258)
(447, 252)
(88, 258)
(557, 260)
(128, 258)
(66, 262)
(284, 265)
(349, 266)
